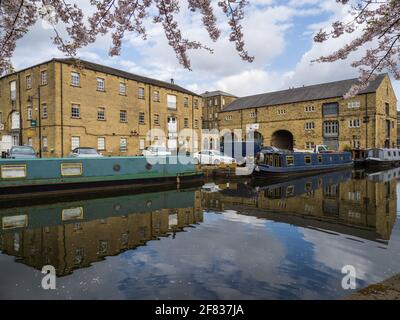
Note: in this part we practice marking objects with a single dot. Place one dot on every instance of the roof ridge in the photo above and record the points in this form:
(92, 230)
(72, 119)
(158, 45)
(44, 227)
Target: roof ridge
(166, 84)
(309, 86)
(314, 92)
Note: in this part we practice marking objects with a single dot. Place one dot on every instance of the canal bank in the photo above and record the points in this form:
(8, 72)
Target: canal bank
(388, 289)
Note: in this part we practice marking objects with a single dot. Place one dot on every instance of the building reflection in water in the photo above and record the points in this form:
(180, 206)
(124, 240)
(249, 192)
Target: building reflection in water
(74, 235)
(348, 202)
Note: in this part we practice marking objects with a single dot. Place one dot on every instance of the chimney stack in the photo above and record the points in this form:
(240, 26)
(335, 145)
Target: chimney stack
(172, 80)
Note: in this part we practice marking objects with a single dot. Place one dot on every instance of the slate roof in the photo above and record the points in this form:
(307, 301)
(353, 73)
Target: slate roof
(208, 94)
(307, 93)
(126, 75)
(115, 72)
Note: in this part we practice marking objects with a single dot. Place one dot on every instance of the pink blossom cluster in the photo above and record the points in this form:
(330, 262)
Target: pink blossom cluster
(74, 30)
(379, 21)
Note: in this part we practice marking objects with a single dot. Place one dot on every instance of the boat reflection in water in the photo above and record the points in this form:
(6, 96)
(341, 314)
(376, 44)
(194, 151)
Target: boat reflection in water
(74, 235)
(346, 202)
(286, 240)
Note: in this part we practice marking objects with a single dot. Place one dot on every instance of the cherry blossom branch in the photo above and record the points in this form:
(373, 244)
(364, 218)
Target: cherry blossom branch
(235, 15)
(380, 25)
(117, 17)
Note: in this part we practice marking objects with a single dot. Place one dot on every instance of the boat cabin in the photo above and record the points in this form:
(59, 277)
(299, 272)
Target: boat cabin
(284, 159)
(384, 154)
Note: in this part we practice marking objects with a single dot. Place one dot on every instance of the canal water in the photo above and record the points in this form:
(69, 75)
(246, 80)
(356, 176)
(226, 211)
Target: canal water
(224, 240)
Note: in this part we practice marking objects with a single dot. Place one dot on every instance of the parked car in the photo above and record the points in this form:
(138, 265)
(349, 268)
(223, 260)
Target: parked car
(84, 152)
(21, 152)
(154, 151)
(212, 157)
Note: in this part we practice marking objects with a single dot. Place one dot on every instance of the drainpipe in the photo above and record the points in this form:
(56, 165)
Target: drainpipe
(150, 97)
(193, 97)
(20, 110)
(241, 123)
(366, 121)
(62, 110)
(39, 124)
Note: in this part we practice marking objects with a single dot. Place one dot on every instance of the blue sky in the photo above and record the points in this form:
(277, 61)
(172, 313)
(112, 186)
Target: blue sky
(279, 33)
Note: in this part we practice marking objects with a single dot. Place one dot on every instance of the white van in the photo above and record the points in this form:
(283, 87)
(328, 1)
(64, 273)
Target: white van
(5, 144)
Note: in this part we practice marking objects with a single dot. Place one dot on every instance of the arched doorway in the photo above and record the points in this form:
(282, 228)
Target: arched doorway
(282, 139)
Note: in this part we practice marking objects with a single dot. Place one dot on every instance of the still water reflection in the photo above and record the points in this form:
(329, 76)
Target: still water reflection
(239, 240)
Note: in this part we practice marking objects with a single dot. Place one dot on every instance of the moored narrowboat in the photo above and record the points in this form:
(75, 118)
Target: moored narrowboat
(382, 158)
(39, 177)
(284, 163)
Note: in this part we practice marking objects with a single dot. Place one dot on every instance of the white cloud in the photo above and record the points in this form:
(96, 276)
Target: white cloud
(249, 82)
(267, 25)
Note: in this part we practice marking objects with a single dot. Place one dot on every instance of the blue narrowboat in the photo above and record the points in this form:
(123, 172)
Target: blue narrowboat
(21, 178)
(282, 163)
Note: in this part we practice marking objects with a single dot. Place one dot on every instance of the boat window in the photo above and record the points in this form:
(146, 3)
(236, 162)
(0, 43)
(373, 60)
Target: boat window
(13, 171)
(277, 160)
(308, 186)
(320, 160)
(271, 160)
(307, 159)
(290, 191)
(389, 153)
(71, 169)
(275, 193)
(289, 160)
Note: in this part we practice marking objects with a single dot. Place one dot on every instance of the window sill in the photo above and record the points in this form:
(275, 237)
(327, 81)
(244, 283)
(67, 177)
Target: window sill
(123, 94)
(76, 118)
(75, 86)
(101, 120)
(142, 124)
(98, 90)
(123, 122)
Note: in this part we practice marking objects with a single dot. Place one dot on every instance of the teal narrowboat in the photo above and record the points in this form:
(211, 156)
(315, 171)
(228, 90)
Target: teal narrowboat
(282, 163)
(39, 176)
(48, 215)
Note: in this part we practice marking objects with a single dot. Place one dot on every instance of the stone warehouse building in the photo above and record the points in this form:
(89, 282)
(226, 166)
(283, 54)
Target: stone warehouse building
(62, 104)
(358, 207)
(213, 103)
(75, 243)
(303, 117)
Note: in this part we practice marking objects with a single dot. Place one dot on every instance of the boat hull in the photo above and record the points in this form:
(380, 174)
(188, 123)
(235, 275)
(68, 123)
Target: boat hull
(380, 164)
(297, 172)
(44, 177)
